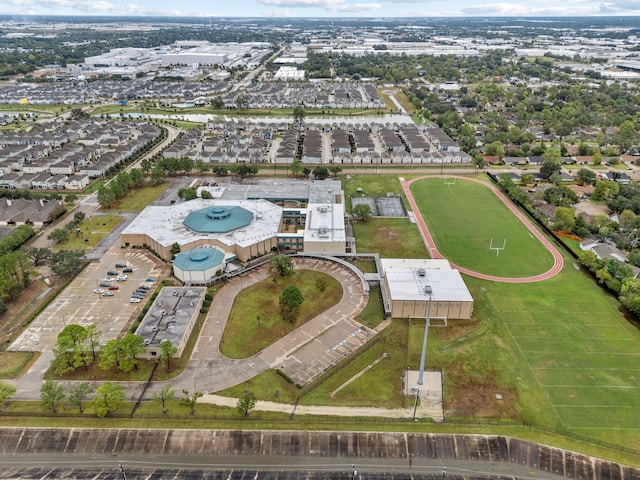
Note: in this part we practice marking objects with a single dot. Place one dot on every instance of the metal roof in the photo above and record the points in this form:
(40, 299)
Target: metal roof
(199, 259)
(218, 219)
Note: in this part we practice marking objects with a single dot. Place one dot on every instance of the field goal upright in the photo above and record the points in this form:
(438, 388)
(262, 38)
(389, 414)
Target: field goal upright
(497, 247)
(449, 181)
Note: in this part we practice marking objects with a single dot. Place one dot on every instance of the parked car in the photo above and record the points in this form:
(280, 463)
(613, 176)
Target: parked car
(104, 284)
(134, 300)
(150, 280)
(122, 278)
(98, 290)
(121, 265)
(127, 270)
(111, 272)
(144, 287)
(107, 294)
(113, 287)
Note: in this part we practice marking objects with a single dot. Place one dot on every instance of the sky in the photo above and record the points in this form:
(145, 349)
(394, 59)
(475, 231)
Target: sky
(323, 8)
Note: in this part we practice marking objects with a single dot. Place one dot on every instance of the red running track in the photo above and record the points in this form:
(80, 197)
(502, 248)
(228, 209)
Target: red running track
(558, 262)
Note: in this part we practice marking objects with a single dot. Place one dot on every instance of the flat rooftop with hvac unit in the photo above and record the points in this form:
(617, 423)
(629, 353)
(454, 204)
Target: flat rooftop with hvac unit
(414, 283)
(171, 317)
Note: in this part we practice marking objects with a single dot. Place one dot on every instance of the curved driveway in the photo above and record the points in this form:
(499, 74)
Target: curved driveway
(209, 371)
(558, 262)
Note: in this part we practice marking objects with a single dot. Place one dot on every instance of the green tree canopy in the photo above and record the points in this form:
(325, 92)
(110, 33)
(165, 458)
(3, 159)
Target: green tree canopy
(51, 395)
(362, 211)
(109, 397)
(290, 302)
(246, 403)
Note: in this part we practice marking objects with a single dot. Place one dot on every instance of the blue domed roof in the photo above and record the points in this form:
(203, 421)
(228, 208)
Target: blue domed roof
(218, 219)
(201, 258)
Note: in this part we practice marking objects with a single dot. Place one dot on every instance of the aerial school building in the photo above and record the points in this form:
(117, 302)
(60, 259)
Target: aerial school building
(242, 222)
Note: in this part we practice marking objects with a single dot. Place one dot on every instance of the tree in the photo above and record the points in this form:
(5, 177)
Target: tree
(564, 219)
(131, 346)
(146, 165)
(108, 399)
(66, 262)
(51, 394)
(605, 189)
(335, 170)
(137, 177)
(320, 173)
(110, 354)
(298, 114)
(296, 167)
(246, 403)
(280, 266)
(157, 175)
(78, 218)
(6, 392)
(175, 249)
(189, 193)
(290, 302)
(627, 219)
(362, 211)
(495, 149)
(586, 176)
(550, 167)
(59, 235)
(37, 255)
(68, 349)
(106, 197)
(163, 396)
(190, 400)
(168, 351)
(94, 335)
(206, 195)
(79, 393)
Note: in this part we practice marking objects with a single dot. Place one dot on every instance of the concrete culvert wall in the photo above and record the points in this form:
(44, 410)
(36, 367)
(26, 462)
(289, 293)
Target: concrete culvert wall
(348, 445)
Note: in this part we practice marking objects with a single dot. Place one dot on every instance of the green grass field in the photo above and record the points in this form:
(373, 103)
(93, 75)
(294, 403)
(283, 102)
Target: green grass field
(94, 229)
(255, 320)
(389, 237)
(562, 349)
(136, 200)
(463, 218)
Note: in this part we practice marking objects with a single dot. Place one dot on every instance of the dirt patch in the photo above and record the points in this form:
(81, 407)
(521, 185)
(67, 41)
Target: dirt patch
(479, 396)
(591, 208)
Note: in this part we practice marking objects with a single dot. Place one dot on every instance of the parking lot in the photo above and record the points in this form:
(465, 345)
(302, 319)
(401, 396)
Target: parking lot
(79, 303)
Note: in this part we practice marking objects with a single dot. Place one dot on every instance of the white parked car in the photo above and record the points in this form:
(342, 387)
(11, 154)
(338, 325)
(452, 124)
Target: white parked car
(122, 278)
(134, 300)
(107, 294)
(98, 290)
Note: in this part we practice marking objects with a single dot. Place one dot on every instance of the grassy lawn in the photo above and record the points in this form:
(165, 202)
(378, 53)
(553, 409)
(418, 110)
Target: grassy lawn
(389, 237)
(464, 217)
(94, 229)
(371, 186)
(379, 387)
(559, 352)
(14, 364)
(267, 386)
(136, 200)
(245, 336)
(373, 313)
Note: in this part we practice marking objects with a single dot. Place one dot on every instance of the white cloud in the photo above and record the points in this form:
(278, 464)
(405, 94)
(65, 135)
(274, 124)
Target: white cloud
(328, 5)
(542, 8)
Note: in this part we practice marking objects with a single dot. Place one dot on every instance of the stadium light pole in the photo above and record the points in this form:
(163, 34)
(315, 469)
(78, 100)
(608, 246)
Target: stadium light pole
(428, 291)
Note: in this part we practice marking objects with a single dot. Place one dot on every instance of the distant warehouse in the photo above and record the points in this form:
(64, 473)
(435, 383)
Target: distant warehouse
(413, 284)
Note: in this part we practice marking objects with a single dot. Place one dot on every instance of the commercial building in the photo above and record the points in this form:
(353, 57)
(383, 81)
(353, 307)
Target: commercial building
(421, 287)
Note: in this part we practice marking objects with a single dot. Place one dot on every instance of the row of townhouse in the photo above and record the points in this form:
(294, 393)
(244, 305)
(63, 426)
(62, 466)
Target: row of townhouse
(44, 181)
(20, 211)
(317, 95)
(74, 164)
(403, 157)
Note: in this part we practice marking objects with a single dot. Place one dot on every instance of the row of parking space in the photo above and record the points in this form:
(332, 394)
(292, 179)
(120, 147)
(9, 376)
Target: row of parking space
(85, 301)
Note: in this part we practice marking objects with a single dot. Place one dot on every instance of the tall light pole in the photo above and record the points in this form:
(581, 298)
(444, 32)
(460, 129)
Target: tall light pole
(428, 291)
